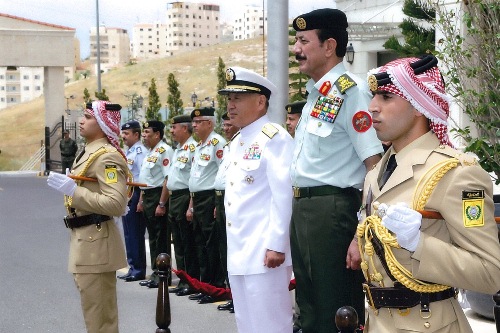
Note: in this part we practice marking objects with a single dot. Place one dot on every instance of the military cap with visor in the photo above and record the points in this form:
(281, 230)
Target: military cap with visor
(326, 18)
(183, 118)
(242, 80)
(203, 112)
(131, 125)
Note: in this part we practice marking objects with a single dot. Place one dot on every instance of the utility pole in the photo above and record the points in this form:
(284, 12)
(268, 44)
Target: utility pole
(98, 48)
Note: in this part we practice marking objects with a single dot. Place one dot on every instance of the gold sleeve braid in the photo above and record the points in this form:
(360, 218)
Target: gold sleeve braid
(130, 178)
(372, 227)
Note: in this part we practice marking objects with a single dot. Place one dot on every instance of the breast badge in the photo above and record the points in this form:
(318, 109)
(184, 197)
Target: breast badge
(249, 179)
(253, 152)
(327, 108)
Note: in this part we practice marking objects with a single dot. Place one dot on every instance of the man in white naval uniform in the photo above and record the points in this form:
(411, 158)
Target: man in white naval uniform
(258, 204)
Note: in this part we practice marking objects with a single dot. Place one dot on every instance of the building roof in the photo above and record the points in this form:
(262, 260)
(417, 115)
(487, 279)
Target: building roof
(35, 22)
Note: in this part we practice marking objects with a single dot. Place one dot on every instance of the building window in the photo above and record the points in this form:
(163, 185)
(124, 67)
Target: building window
(26, 88)
(26, 77)
(37, 77)
(38, 88)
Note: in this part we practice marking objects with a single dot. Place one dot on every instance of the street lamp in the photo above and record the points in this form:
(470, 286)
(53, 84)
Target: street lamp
(194, 98)
(68, 111)
(350, 53)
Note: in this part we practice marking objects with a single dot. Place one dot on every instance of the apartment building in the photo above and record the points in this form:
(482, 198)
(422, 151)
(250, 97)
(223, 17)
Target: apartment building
(149, 41)
(114, 46)
(250, 23)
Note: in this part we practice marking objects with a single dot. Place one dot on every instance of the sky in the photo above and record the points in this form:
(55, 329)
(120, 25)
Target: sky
(81, 14)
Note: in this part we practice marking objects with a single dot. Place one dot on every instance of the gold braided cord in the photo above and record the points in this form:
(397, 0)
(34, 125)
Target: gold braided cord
(427, 184)
(69, 200)
(372, 227)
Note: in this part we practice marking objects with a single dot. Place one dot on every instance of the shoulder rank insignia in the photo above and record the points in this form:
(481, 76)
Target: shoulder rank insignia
(192, 147)
(325, 88)
(214, 141)
(344, 82)
(138, 150)
(473, 206)
(110, 173)
(269, 130)
(161, 150)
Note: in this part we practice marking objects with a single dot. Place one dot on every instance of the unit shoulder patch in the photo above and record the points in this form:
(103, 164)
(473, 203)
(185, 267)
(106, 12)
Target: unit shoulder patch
(110, 173)
(473, 207)
(269, 130)
(344, 82)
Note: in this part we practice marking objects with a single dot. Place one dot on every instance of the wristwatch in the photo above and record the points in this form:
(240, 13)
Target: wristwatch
(191, 209)
(161, 204)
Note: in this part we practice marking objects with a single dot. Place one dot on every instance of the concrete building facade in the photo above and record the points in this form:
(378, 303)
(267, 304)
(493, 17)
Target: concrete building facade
(114, 44)
(250, 23)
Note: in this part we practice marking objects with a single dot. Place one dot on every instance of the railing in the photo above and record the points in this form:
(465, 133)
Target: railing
(34, 160)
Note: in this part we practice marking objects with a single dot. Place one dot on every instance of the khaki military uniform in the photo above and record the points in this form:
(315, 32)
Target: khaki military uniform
(461, 250)
(97, 252)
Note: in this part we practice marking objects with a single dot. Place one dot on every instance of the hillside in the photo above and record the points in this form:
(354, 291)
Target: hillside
(22, 126)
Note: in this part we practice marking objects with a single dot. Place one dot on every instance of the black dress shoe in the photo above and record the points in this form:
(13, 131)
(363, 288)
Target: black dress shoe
(132, 278)
(185, 292)
(228, 306)
(175, 290)
(196, 297)
(207, 299)
(124, 276)
(153, 284)
(145, 283)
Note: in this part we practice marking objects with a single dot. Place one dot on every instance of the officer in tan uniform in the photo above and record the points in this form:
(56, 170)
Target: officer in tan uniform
(96, 248)
(411, 289)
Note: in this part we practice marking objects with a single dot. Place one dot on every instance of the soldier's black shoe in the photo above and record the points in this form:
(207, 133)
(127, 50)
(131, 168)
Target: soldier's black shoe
(226, 307)
(145, 283)
(175, 290)
(185, 292)
(196, 297)
(207, 299)
(124, 276)
(153, 284)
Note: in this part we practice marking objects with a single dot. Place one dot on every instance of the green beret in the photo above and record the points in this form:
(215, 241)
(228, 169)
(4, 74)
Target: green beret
(295, 107)
(184, 118)
(200, 112)
(156, 125)
(325, 18)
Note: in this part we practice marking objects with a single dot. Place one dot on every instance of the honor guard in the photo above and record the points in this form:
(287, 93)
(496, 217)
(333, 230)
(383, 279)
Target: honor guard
(181, 130)
(154, 198)
(334, 146)
(207, 158)
(96, 247)
(258, 203)
(412, 262)
(134, 225)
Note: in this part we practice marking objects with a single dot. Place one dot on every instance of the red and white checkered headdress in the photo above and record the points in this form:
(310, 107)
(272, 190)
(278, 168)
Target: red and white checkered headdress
(418, 81)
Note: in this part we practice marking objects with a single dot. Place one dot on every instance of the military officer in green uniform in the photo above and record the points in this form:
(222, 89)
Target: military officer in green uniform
(181, 130)
(335, 145)
(96, 247)
(154, 198)
(412, 261)
(207, 159)
(68, 149)
(293, 112)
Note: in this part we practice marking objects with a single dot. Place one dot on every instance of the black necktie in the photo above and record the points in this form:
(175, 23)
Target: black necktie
(80, 155)
(391, 165)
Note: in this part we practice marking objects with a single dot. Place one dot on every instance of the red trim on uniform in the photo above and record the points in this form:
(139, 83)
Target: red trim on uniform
(325, 88)
(361, 121)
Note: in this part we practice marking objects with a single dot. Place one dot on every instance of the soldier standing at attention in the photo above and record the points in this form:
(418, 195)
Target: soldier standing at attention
(293, 112)
(134, 225)
(178, 184)
(154, 198)
(411, 288)
(335, 145)
(207, 158)
(258, 205)
(220, 213)
(68, 149)
(96, 247)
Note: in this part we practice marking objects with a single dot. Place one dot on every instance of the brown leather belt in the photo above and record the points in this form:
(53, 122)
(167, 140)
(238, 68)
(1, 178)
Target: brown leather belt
(402, 298)
(82, 221)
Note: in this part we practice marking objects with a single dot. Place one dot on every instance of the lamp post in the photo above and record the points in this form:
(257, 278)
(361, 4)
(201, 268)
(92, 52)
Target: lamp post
(194, 98)
(68, 111)
(350, 53)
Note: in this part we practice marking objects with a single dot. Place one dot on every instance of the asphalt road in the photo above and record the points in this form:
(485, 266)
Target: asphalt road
(37, 294)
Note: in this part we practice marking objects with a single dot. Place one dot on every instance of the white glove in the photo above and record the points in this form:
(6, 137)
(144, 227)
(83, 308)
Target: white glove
(62, 183)
(404, 223)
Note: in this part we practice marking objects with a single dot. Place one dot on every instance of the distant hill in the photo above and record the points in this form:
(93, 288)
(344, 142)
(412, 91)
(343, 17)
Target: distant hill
(22, 126)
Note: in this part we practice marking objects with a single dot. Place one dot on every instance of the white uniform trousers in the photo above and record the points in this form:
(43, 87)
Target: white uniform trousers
(262, 302)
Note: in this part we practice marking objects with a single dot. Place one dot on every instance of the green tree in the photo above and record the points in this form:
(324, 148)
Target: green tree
(86, 96)
(297, 80)
(101, 96)
(154, 104)
(470, 48)
(418, 38)
(174, 101)
(221, 99)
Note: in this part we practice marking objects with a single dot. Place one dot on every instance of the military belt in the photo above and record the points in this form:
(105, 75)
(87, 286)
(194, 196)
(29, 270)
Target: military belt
(82, 221)
(176, 193)
(202, 193)
(316, 191)
(402, 297)
(219, 193)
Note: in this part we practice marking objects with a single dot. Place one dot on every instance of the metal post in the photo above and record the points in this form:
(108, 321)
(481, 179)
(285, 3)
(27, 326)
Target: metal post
(163, 316)
(98, 48)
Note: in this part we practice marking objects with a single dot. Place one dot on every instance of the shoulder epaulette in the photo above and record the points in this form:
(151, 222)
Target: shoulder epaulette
(108, 148)
(467, 159)
(161, 150)
(269, 130)
(214, 141)
(344, 82)
(192, 147)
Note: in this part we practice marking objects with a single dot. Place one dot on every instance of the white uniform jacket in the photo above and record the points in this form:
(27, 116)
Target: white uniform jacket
(258, 199)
